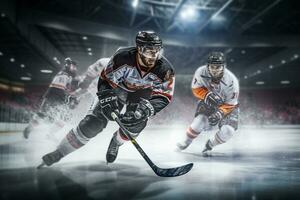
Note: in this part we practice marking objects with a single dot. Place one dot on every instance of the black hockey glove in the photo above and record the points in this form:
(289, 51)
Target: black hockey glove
(143, 112)
(211, 99)
(72, 101)
(108, 101)
(214, 118)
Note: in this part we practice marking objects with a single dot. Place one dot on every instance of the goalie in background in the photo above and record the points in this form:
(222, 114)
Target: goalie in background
(217, 90)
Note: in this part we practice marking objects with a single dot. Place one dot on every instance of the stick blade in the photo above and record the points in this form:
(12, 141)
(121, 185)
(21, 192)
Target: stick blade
(173, 172)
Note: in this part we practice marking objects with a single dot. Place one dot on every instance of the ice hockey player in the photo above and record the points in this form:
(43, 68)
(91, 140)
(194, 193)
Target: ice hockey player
(139, 78)
(89, 79)
(56, 99)
(217, 90)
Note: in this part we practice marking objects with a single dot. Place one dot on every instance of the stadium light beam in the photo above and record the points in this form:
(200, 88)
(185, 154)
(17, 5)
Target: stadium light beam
(135, 3)
(218, 18)
(189, 14)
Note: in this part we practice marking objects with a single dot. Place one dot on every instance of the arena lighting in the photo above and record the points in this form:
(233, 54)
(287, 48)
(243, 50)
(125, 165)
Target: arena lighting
(84, 37)
(296, 56)
(1, 54)
(3, 15)
(89, 49)
(260, 82)
(12, 60)
(54, 58)
(245, 77)
(46, 71)
(135, 3)
(90, 53)
(243, 52)
(283, 61)
(25, 78)
(188, 13)
(271, 66)
(218, 18)
(22, 66)
(285, 82)
(258, 72)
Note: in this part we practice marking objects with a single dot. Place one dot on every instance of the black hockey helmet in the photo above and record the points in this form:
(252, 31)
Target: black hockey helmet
(148, 38)
(70, 67)
(216, 63)
(149, 47)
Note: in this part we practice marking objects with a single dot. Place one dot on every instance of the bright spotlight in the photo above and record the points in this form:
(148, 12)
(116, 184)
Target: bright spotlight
(135, 3)
(188, 14)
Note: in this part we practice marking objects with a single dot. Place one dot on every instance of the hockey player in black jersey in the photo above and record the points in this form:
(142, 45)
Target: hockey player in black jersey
(56, 99)
(138, 78)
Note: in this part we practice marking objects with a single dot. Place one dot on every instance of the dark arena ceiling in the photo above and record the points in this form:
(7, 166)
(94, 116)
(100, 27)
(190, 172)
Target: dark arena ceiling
(260, 38)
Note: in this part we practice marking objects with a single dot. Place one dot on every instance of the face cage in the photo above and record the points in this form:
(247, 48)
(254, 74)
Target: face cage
(150, 52)
(216, 73)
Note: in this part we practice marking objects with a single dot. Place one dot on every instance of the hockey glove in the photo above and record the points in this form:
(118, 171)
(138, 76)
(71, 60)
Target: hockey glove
(212, 100)
(108, 101)
(215, 118)
(143, 112)
(72, 101)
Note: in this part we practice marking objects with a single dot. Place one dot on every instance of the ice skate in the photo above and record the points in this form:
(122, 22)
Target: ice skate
(112, 151)
(208, 147)
(183, 145)
(51, 158)
(27, 131)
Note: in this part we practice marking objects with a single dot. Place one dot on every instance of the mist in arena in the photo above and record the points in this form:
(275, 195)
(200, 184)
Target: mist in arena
(223, 93)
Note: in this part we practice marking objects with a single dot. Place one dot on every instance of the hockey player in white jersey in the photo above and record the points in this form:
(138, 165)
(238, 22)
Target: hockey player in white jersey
(89, 81)
(217, 90)
(56, 99)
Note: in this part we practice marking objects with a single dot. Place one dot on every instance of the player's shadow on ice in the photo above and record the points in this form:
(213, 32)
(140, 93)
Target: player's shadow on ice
(114, 181)
(84, 181)
(122, 181)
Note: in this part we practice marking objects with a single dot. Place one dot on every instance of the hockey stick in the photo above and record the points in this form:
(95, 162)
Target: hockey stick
(169, 172)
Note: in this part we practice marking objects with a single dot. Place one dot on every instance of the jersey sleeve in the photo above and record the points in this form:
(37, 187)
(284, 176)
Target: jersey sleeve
(198, 88)
(231, 101)
(113, 73)
(162, 93)
(93, 72)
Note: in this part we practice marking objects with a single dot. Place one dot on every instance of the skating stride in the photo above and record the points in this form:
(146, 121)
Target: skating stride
(217, 90)
(137, 78)
(56, 101)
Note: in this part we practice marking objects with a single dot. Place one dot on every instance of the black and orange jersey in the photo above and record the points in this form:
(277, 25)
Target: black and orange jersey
(124, 74)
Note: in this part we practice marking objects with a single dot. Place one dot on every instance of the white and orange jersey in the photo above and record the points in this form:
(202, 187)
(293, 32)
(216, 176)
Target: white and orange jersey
(62, 80)
(227, 89)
